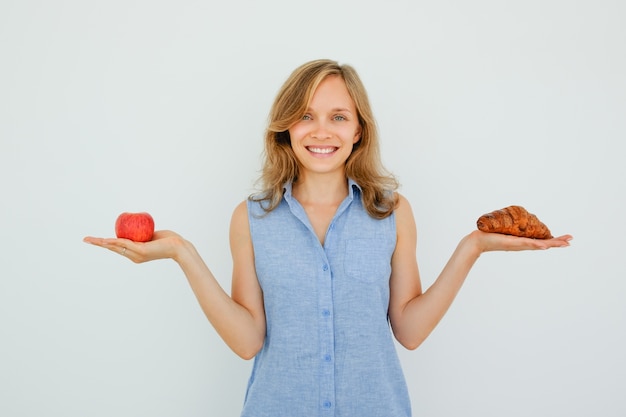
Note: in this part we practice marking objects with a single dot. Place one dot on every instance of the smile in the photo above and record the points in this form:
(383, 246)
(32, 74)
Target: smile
(324, 150)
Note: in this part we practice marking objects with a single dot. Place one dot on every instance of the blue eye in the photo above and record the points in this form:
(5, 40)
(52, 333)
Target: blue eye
(306, 117)
(339, 118)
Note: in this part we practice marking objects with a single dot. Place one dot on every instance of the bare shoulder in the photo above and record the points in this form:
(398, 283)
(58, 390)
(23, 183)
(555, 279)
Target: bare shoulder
(404, 213)
(241, 211)
(403, 202)
(239, 226)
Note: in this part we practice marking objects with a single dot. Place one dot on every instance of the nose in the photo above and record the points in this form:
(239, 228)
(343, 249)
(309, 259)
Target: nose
(320, 130)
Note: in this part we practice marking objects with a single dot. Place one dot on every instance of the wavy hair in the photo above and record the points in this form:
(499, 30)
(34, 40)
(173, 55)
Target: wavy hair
(364, 164)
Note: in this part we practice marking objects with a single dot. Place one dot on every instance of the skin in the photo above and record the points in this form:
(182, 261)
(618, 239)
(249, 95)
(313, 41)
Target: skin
(322, 141)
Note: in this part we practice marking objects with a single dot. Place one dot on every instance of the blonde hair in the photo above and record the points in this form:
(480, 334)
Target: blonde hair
(363, 165)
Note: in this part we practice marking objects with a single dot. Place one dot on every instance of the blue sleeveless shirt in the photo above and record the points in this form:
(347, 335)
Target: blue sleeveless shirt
(328, 349)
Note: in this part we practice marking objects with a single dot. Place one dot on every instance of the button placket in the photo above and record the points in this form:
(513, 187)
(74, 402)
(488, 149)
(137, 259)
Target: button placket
(327, 329)
(327, 338)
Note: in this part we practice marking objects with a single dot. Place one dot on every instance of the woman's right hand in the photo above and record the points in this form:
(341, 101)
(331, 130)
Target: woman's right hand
(165, 244)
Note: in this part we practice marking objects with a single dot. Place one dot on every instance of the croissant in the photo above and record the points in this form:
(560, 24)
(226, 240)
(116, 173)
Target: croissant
(513, 220)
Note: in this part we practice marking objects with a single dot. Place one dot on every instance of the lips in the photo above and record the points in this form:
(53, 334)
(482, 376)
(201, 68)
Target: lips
(321, 150)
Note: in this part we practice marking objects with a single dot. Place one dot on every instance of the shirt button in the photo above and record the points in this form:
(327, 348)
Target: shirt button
(325, 313)
(327, 404)
(327, 358)
(325, 267)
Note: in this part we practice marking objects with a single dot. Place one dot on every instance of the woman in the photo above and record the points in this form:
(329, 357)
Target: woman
(324, 261)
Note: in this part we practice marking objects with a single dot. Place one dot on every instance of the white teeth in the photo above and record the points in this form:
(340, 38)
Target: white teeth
(321, 150)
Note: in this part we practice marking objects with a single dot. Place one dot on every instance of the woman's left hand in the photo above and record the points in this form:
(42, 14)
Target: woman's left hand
(488, 242)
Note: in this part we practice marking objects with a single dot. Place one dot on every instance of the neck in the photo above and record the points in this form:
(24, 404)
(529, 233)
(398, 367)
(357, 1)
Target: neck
(322, 189)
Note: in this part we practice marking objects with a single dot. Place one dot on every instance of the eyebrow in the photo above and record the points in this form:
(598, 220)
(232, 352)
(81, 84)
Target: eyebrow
(334, 110)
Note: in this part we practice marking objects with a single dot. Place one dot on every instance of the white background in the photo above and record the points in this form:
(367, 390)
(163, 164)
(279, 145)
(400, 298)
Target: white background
(160, 106)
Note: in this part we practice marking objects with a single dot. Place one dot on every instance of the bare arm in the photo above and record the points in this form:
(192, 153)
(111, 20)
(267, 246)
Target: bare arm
(413, 313)
(240, 319)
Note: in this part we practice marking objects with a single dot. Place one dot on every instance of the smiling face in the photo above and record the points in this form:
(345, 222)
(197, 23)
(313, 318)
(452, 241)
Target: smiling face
(323, 139)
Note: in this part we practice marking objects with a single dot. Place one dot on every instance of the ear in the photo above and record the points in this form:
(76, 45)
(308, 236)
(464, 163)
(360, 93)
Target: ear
(357, 135)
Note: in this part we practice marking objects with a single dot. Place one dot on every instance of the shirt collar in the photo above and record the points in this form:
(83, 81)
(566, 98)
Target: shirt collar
(352, 185)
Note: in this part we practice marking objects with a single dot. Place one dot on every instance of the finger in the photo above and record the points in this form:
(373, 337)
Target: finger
(93, 240)
(524, 243)
(160, 234)
(119, 246)
(120, 250)
(561, 240)
(554, 243)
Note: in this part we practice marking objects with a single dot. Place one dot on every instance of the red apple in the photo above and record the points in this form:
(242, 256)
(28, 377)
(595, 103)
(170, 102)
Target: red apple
(138, 227)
